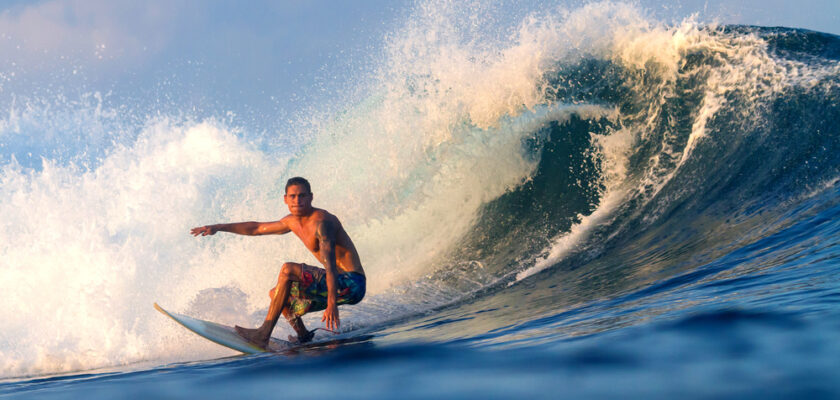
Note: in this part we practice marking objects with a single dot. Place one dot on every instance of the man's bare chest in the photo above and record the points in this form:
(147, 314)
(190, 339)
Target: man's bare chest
(307, 236)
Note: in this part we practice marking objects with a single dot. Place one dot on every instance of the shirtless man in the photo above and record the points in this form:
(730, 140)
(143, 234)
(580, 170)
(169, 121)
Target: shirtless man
(303, 288)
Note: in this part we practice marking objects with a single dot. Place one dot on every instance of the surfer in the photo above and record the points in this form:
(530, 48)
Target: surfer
(303, 288)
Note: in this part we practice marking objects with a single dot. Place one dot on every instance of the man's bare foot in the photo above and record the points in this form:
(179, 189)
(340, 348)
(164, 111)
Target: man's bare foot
(303, 335)
(300, 339)
(255, 336)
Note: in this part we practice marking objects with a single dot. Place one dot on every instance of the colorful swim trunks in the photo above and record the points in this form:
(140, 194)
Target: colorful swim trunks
(310, 294)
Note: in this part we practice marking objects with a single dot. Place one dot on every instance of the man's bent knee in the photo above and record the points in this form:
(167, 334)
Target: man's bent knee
(289, 270)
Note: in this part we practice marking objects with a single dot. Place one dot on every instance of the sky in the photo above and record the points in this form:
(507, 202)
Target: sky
(257, 58)
(261, 61)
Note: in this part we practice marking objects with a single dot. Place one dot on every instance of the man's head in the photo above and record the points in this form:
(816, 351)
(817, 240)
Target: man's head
(298, 196)
(299, 182)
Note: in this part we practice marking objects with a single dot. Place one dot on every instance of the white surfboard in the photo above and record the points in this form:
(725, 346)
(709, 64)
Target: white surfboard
(223, 335)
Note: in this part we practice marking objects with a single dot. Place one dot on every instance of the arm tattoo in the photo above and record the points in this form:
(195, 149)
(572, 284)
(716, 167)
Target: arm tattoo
(325, 233)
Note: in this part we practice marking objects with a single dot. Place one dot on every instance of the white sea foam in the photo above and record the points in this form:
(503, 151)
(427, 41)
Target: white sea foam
(87, 247)
(86, 252)
(90, 243)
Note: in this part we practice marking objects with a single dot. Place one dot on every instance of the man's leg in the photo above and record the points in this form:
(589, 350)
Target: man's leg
(303, 335)
(288, 273)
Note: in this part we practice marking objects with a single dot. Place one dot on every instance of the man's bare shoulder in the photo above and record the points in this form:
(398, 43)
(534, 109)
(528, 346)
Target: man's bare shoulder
(289, 221)
(322, 215)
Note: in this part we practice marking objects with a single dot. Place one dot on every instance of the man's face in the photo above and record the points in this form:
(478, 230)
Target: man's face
(298, 200)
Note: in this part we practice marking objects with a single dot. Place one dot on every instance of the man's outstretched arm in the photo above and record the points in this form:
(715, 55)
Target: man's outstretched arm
(243, 228)
(325, 233)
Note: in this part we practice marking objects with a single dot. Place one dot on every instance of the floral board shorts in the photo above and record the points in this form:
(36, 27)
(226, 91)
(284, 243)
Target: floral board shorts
(310, 294)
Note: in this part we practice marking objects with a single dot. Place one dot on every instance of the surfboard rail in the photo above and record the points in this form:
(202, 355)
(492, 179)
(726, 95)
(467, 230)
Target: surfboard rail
(222, 335)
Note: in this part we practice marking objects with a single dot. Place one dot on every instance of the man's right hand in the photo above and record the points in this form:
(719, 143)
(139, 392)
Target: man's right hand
(203, 230)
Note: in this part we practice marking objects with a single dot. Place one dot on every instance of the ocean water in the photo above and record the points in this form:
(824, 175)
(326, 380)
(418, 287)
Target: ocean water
(582, 203)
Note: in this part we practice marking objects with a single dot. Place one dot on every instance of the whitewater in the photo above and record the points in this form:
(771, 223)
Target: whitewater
(585, 202)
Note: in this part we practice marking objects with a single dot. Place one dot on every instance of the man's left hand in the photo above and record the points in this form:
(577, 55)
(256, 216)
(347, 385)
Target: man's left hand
(331, 317)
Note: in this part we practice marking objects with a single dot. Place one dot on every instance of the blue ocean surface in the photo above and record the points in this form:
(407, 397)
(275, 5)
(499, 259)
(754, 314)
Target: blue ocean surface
(642, 210)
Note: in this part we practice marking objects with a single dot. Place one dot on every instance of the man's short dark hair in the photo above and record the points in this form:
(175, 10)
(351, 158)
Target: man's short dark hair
(299, 182)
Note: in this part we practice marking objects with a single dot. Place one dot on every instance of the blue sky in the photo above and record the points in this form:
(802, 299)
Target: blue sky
(259, 59)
